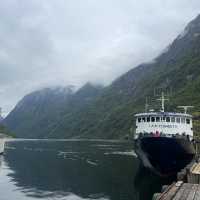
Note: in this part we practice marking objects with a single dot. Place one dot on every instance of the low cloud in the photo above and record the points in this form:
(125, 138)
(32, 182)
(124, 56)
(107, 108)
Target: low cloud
(62, 42)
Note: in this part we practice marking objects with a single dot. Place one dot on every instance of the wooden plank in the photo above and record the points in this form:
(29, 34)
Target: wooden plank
(194, 174)
(193, 178)
(196, 169)
(179, 193)
(197, 194)
(192, 192)
(166, 192)
(193, 166)
(184, 191)
(171, 191)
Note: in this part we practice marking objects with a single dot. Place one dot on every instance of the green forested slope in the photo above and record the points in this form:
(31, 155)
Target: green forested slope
(38, 113)
(4, 130)
(109, 113)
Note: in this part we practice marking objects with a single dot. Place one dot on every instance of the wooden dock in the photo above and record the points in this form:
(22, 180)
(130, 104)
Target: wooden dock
(180, 191)
(193, 175)
(186, 188)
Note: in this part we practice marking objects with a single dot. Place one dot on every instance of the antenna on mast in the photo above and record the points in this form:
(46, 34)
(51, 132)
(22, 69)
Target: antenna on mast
(185, 108)
(162, 99)
(146, 105)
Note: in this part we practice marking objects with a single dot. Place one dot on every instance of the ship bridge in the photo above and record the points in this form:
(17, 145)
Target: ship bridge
(164, 123)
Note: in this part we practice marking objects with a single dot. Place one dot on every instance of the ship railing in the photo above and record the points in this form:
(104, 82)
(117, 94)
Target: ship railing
(183, 135)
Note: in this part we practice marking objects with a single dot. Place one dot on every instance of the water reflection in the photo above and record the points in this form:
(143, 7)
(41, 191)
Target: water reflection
(146, 183)
(78, 170)
(1, 160)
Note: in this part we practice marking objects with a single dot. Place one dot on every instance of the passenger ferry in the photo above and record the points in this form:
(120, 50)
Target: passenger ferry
(163, 140)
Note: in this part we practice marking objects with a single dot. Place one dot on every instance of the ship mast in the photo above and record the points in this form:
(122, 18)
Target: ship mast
(162, 99)
(146, 105)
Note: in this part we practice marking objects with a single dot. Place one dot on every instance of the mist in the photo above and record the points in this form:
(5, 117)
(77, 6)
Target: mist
(50, 43)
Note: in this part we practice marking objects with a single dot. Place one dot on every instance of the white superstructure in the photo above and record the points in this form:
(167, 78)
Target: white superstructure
(164, 123)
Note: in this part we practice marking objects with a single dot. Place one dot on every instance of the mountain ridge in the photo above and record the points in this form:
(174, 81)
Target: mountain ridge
(41, 108)
(109, 113)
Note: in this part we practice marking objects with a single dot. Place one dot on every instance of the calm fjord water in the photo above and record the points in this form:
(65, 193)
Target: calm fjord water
(74, 170)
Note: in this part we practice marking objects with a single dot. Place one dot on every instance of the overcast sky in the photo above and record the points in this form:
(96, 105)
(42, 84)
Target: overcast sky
(59, 42)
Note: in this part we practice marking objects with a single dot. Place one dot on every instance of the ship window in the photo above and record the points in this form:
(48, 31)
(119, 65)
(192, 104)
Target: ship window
(139, 119)
(188, 121)
(157, 119)
(172, 119)
(178, 120)
(148, 119)
(153, 119)
(182, 120)
(167, 119)
(163, 119)
(144, 119)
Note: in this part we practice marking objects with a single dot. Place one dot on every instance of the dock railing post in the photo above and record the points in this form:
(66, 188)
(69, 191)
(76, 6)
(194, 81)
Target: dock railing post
(196, 143)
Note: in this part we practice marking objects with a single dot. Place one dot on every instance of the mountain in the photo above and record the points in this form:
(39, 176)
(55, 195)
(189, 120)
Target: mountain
(1, 118)
(109, 112)
(4, 131)
(38, 113)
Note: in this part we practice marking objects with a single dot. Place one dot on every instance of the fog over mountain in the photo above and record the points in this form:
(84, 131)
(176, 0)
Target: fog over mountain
(48, 43)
